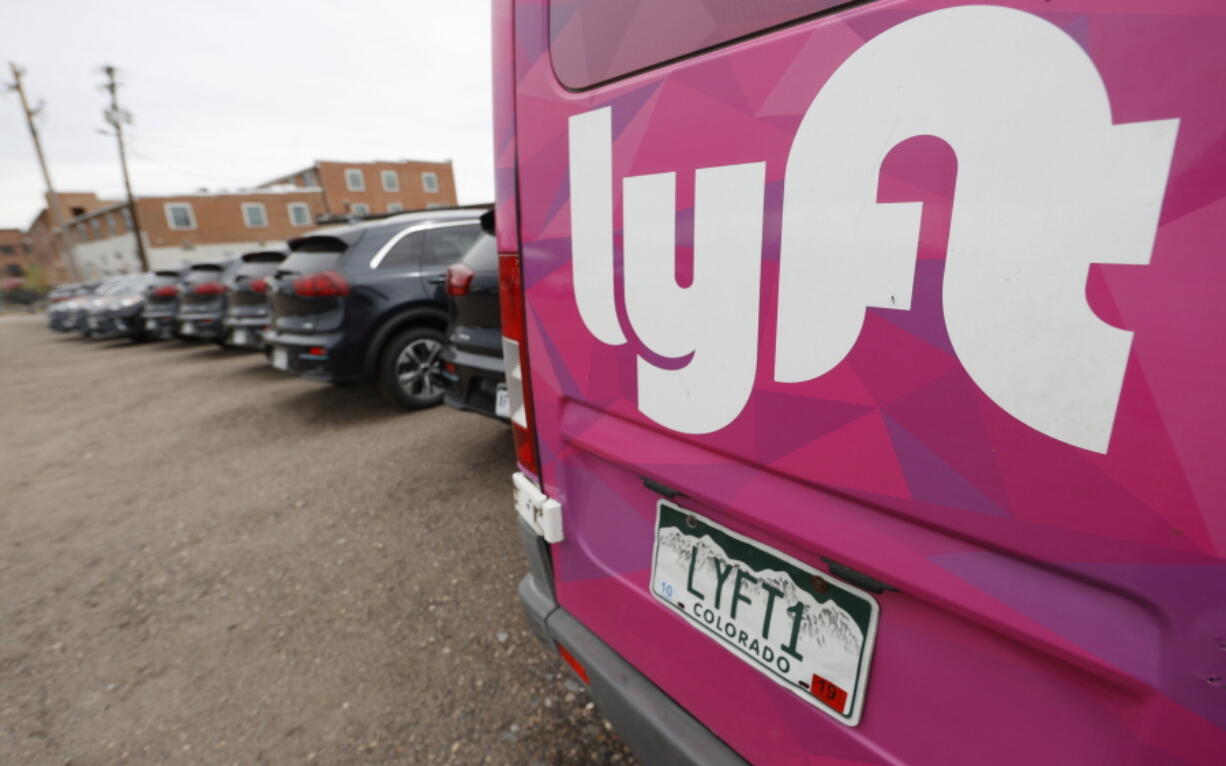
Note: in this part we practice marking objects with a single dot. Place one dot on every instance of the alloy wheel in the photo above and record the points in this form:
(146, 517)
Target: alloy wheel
(419, 369)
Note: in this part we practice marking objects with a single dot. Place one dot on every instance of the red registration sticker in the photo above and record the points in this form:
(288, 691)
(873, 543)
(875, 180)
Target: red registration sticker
(828, 693)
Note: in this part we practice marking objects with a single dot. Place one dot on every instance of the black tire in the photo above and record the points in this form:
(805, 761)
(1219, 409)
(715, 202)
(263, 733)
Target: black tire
(410, 368)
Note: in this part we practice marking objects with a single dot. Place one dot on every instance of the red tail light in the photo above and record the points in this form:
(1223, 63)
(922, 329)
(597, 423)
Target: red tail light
(209, 288)
(258, 285)
(515, 358)
(166, 291)
(324, 284)
(459, 279)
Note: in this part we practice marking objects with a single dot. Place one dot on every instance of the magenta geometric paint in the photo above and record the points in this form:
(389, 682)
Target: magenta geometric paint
(1055, 604)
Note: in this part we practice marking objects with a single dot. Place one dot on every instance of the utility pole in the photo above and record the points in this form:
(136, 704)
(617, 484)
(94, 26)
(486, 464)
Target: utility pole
(117, 117)
(57, 221)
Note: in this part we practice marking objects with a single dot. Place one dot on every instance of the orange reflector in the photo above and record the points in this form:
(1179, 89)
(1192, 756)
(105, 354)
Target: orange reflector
(574, 664)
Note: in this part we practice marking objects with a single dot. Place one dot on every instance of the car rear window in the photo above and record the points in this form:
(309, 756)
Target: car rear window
(199, 274)
(311, 254)
(483, 255)
(591, 41)
(258, 269)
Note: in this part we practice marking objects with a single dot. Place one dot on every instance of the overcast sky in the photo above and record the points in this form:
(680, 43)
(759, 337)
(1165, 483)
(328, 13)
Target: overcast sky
(230, 93)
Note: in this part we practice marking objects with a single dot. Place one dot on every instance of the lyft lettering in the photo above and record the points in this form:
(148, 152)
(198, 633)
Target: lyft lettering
(1046, 186)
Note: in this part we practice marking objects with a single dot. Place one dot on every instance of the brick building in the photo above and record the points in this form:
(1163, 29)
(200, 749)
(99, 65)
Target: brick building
(45, 246)
(15, 255)
(361, 188)
(189, 228)
(204, 226)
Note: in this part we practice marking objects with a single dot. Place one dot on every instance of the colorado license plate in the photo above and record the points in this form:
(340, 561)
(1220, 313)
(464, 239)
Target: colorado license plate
(280, 358)
(502, 402)
(807, 631)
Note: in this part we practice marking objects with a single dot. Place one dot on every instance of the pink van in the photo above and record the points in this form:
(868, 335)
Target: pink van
(867, 366)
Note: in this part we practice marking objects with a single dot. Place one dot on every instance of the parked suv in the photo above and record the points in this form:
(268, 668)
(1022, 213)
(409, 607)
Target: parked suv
(366, 301)
(472, 359)
(202, 303)
(247, 313)
(116, 313)
(162, 303)
(59, 309)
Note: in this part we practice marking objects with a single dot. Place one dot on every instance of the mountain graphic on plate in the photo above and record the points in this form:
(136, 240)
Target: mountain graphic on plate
(824, 622)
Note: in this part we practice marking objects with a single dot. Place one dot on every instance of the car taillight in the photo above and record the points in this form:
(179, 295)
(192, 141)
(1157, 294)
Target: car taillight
(166, 291)
(209, 288)
(258, 285)
(459, 279)
(515, 358)
(323, 284)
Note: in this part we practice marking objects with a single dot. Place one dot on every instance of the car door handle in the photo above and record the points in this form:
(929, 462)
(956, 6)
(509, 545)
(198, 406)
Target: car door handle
(437, 279)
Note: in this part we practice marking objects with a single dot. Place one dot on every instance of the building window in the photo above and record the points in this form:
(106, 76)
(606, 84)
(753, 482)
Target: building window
(7, 249)
(127, 218)
(394, 207)
(254, 215)
(95, 227)
(308, 178)
(299, 214)
(110, 225)
(179, 215)
(354, 180)
(429, 182)
(82, 232)
(360, 208)
(391, 181)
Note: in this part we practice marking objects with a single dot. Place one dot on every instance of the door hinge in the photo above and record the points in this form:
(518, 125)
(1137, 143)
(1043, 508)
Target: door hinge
(538, 510)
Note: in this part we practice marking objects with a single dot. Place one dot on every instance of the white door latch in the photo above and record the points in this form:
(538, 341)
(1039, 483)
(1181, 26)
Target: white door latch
(538, 510)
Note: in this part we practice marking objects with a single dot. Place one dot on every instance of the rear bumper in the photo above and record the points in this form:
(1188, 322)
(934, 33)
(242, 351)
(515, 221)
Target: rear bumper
(157, 325)
(473, 385)
(200, 325)
(657, 729)
(302, 357)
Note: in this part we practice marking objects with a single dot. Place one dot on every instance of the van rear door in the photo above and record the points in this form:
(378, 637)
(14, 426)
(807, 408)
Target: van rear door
(875, 357)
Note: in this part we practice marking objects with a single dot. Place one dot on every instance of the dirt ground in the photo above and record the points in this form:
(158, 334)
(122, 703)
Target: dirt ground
(203, 560)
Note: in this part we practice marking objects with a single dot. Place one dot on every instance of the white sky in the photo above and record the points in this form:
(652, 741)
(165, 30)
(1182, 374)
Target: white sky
(230, 93)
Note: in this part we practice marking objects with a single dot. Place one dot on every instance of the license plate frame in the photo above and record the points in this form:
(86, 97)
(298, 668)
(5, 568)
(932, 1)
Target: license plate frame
(502, 402)
(238, 336)
(151, 324)
(831, 676)
(187, 328)
(280, 358)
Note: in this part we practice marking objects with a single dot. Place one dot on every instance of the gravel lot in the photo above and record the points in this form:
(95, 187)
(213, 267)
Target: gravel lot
(207, 561)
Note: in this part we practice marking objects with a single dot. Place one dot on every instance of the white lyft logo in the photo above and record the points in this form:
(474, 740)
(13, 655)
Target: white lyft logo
(1046, 186)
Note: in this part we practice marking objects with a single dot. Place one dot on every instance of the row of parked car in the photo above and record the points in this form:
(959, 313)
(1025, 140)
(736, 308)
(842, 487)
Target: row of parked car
(409, 301)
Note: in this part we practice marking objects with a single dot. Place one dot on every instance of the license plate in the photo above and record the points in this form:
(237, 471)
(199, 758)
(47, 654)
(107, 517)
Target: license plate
(151, 324)
(93, 323)
(502, 402)
(239, 337)
(188, 328)
(280, 359)
(807, 631)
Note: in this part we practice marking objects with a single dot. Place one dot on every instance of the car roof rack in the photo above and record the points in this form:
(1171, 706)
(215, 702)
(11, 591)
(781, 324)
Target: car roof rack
(336, 218)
